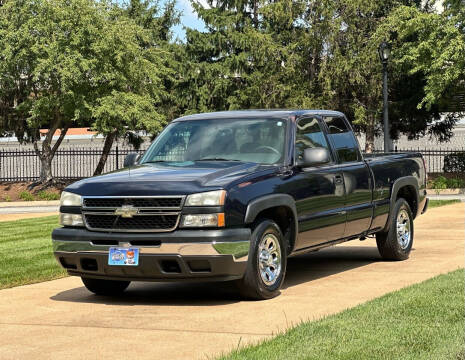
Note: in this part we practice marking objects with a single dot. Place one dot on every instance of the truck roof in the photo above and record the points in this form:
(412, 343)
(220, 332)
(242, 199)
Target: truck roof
(247, 114)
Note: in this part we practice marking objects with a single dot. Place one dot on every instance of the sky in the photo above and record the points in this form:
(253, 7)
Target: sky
(189, 18)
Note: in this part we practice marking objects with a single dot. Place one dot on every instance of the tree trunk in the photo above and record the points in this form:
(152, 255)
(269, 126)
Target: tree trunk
(255, 14)
(48, 152)
(45, 169)
(110, 138)
(370, 137)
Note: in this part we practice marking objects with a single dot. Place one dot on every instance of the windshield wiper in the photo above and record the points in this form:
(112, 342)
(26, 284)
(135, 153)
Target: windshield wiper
(156, 161)
(216, 159)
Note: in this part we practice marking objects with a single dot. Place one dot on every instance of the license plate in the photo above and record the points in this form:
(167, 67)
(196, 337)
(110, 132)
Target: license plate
(123, 256)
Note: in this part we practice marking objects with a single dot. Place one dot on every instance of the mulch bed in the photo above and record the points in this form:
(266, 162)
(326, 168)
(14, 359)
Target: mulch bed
(11, 191)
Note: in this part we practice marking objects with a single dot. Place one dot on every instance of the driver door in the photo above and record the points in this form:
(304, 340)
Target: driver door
(318, 191)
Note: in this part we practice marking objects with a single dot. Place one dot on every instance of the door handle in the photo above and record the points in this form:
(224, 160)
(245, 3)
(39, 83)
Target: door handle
(338, 180)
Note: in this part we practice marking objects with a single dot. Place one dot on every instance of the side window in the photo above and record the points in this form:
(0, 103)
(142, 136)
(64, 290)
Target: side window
(343, 139)
(308, 135)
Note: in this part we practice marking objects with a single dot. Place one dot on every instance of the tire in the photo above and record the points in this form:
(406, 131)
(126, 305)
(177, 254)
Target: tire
(258, 285)
(105, 287)
(392, 245)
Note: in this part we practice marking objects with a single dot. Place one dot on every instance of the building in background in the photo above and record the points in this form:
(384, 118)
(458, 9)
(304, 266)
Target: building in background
(75, 138)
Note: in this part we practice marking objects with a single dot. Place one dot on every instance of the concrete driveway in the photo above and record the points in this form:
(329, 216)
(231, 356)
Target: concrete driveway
(61, 320)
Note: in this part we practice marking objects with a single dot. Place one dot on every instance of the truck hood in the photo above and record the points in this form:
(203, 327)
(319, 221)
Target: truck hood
(165, 179)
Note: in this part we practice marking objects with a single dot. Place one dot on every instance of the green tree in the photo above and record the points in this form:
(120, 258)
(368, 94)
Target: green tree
(74, 62)
(301, 54)
(428, 68)
(46, 55)
(136, 99)
(250, 57)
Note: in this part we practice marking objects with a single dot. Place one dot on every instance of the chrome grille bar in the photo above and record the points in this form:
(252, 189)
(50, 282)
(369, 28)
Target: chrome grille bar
(161, 217)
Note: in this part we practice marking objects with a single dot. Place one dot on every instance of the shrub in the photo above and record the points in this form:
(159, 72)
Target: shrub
(47, 195)
(456, 183)
(26, 196)
(454, 162)
(7, 198)
(442, 182)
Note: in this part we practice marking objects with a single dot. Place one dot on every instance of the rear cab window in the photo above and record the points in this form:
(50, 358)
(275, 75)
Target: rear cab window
(343, 139)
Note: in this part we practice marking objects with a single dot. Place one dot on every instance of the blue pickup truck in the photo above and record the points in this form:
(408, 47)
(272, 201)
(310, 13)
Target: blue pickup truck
(230, 196)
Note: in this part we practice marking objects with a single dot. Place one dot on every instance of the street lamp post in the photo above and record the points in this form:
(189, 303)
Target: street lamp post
(384, 52)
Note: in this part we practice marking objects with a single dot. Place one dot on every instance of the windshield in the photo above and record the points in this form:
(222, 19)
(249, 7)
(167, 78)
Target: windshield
(257, 140)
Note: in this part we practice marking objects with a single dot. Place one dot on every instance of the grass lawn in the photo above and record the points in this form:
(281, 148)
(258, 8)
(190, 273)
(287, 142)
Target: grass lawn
(437, 203)
(26, 252)
(423, 321)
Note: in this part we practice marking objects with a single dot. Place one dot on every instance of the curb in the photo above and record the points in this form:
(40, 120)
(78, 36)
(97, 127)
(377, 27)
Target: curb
(445, 191)
(29, 203)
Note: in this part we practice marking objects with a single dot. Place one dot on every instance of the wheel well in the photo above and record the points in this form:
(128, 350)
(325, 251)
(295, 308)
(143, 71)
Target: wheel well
(408, 193)
(284, 217)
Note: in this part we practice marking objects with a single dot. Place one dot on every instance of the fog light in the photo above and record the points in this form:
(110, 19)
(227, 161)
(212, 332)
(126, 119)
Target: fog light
(203, 220)
(71, 220)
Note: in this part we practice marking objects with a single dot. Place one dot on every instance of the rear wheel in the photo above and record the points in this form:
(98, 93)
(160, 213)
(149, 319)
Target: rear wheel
(266, 267)
(396, 244)
(105, 287)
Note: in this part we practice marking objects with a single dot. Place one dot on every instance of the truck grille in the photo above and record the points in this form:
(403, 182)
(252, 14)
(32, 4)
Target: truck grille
(145, 222)
(148, 214)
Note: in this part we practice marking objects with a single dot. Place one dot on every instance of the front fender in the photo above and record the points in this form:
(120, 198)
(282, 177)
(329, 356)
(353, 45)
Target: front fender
(260, 204)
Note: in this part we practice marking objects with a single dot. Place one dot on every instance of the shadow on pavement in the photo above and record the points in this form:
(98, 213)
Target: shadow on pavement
(300, 269)
(330, 261)
(161, 294)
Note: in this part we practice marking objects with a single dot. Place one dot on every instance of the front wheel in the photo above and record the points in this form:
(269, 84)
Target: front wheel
(105, 287)
(396, 244)
(266, 267)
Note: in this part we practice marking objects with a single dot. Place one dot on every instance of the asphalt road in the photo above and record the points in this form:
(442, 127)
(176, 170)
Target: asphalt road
(61, 320)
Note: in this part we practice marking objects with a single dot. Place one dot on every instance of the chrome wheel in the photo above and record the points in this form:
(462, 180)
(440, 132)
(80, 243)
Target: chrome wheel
(403, 229)
(269, 259)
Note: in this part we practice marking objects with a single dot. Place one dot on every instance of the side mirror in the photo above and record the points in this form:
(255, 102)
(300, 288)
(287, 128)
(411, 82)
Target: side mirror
(315, 156)
(131, 159)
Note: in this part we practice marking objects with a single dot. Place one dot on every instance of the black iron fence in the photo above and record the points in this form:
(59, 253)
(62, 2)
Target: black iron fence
(78, 163)
(440, 161)
(67, 164)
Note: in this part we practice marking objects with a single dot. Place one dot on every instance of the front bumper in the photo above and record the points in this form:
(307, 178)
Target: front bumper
(179, 255)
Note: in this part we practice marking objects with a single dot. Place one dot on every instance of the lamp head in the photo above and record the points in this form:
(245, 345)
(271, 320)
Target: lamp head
(384, 51)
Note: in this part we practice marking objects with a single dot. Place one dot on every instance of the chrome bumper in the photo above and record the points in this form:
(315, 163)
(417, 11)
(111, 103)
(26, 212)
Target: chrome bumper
(222, 254)
(238, 249)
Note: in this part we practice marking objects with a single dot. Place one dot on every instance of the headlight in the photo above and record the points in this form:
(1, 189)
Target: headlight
(71, 220)
(203, 220)
(70, 199)
(210, 198)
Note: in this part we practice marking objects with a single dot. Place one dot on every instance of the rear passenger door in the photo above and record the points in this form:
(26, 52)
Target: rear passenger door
(357, 175)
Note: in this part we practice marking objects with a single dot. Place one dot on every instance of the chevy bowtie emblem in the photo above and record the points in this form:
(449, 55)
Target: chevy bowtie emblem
(127, 211)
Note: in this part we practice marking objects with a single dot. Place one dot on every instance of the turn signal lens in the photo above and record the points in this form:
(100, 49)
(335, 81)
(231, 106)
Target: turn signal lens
(203, 220)
(71, 220)
(221, 220)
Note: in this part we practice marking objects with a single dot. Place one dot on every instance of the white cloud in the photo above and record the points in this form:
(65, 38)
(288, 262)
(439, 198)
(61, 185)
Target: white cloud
(188, 9)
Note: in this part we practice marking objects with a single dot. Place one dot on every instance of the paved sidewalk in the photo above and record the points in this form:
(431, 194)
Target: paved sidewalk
(12, 204)
(447, 197)
(27, 209)
(61, 320)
